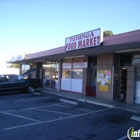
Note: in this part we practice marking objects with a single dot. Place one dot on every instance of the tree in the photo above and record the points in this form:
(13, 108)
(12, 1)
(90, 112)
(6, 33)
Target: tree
(108, 33)
(15, 66)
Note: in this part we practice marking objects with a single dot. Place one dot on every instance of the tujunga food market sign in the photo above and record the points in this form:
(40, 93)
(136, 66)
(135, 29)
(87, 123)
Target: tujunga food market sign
(84, 40)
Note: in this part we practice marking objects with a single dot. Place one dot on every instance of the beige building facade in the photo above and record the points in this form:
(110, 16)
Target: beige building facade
(110, 69)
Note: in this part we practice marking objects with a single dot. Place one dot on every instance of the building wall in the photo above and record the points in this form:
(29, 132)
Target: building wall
(87, 79)
(131, 86)
(105, 62)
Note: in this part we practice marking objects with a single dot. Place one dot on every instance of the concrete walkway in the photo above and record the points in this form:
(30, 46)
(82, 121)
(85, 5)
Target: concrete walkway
(135, 108)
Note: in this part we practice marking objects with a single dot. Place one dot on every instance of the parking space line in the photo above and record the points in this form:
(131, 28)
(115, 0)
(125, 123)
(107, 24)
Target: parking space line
(23, 99)
(20, 116)
(33, 99)
(54, 111)
(74, 108)
(122, 138)
(31, 108)
(69, 117)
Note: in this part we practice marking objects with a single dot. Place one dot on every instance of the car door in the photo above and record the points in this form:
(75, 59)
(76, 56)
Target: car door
(14, 82)
(4, 83)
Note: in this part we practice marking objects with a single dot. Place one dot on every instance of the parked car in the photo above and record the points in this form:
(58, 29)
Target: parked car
(19, 82)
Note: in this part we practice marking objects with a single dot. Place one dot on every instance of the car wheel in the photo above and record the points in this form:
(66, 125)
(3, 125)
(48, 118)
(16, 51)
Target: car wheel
(30, 89)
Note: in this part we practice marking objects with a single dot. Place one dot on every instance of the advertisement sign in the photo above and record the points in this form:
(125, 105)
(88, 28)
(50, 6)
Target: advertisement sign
(104, 77)
(84, 40)
(103, 88)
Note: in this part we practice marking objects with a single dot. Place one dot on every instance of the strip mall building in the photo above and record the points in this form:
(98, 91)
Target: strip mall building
(110, 66)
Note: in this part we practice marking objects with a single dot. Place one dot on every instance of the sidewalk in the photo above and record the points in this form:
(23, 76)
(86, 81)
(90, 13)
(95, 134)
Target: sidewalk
(90, 99)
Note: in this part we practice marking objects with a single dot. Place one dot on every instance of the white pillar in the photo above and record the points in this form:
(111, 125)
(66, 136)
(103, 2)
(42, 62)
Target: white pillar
(59, 75)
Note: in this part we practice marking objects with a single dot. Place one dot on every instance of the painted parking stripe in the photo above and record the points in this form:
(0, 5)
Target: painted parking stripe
(73, 107)
(20, 116)
(123, 138)
(30, 108)
(25, 99)
(54, 111)
(33, 99)
(69, 117)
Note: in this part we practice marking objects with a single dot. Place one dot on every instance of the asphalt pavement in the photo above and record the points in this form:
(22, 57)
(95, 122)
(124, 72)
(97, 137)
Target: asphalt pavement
(47, 117)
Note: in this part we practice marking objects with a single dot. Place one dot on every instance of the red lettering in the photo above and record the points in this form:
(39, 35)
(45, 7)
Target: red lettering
(69, 46)
(87, 42)
(91, 41)
(80, 44)
(84, 44)
(83, 36)
(74, 45)
(91, 34)
(87, 35)
(98, 40)
(94, 41)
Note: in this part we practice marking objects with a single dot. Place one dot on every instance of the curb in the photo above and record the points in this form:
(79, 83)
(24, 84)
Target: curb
(70, 102)
(136, 118)
(97, 103)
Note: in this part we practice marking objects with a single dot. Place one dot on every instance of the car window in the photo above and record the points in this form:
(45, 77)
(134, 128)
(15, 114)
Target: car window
(13, 78)
(4, 78)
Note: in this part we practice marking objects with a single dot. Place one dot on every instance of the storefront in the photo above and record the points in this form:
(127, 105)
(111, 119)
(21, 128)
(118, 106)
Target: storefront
(110, 65)
(72, 74)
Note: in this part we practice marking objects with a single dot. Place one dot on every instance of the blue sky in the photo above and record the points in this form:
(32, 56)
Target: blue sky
(28, 26)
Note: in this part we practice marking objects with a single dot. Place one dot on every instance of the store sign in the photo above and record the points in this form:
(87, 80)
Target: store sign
(14, 58)
(18, 57)
(84, 40)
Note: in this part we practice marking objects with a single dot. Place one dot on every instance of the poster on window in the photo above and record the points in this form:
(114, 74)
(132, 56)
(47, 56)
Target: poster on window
(104, 77)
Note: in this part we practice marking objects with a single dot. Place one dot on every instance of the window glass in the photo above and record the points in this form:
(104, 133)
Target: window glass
(80, 63)
(77, 73)
(67, 64)
(13, 77)
(67, 73)
(125, 59)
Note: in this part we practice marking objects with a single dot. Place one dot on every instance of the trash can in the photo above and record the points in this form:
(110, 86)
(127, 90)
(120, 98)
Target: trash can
(89, 90)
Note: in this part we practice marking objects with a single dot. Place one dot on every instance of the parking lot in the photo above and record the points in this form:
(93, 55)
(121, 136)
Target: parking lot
(45, 117)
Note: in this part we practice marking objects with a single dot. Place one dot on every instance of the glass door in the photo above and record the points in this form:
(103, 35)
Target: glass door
(50, 75)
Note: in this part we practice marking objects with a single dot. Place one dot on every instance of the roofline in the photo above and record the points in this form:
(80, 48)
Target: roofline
(122, 38)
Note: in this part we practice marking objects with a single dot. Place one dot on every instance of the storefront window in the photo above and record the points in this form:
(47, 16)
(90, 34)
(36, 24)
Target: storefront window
(125, 59)
(25, 68)
(67, 73)
(137, 96)
(72, 74)
(77, 73)
(50, 70)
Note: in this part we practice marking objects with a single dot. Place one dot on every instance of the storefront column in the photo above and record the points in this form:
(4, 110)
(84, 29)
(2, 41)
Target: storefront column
(39, 66)
(59, 75)
(34, 65)
(38, 73)
(130, 93)
(20, 69)
(105, 62)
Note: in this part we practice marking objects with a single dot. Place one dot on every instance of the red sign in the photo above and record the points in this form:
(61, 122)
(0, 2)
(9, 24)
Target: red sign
(84, 40)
